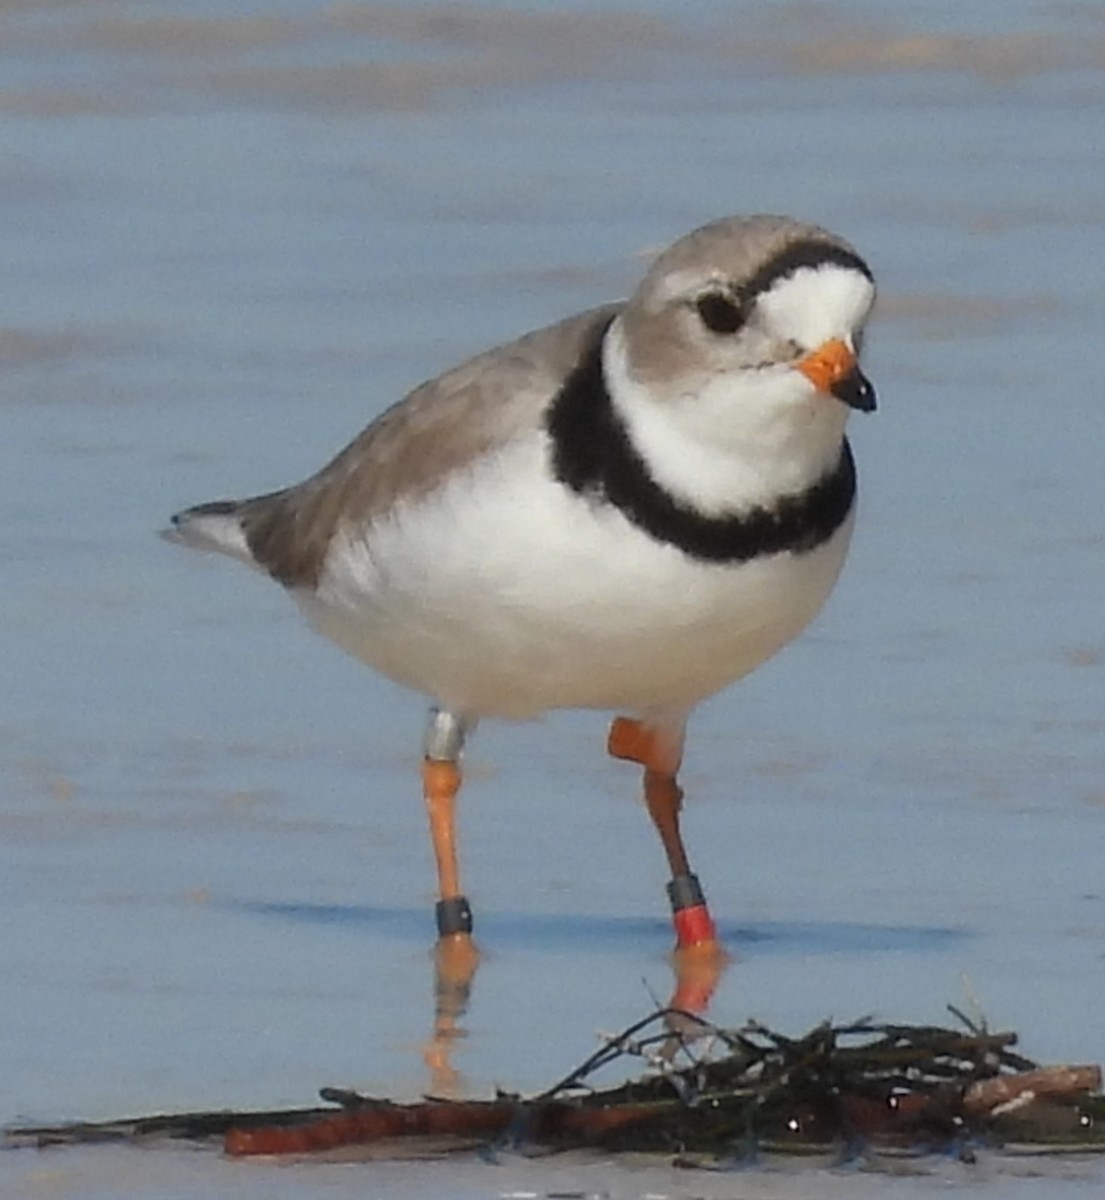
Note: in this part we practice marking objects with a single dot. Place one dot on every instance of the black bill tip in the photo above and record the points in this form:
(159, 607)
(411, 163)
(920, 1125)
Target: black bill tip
(856, 391)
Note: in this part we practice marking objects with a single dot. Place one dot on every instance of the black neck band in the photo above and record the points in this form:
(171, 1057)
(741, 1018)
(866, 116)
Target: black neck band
(592, 454)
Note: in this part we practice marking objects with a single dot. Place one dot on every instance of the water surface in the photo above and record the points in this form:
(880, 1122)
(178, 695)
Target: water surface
(232, 234)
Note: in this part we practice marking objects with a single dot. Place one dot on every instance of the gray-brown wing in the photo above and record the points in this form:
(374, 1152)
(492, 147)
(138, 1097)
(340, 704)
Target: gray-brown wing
(437, 430)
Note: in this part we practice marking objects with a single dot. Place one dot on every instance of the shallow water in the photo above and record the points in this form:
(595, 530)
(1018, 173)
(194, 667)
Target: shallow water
(233, 233)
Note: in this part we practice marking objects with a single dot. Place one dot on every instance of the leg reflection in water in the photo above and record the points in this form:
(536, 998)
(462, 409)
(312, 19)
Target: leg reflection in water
(697, 972)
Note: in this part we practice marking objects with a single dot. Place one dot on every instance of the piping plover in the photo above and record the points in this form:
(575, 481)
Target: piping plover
(627, 510)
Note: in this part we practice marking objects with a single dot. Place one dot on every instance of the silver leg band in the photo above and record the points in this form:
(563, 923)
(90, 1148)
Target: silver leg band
(444, 738)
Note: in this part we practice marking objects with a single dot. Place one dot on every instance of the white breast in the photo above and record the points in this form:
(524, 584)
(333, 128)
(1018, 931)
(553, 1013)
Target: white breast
(505, 594)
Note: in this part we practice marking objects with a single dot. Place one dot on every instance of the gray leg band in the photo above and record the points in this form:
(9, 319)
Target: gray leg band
(685, 891)
(453, 916)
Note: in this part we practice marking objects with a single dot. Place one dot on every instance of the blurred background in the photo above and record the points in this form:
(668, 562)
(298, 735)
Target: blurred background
(230, 235)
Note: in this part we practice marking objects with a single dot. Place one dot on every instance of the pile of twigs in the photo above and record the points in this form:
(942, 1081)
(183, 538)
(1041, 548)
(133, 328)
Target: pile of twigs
(708, 1091)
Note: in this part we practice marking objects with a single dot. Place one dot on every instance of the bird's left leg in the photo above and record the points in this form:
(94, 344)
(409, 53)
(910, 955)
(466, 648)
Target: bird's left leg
(699, 959)
(659, 749)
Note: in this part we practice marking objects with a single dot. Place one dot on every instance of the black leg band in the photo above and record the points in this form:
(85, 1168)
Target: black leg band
(453, 916)
(685, 891)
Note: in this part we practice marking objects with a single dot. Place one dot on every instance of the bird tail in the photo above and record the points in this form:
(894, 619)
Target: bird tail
(213, 527)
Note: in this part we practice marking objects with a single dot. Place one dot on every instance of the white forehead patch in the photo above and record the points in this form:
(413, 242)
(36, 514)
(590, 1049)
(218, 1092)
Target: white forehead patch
(816, 304)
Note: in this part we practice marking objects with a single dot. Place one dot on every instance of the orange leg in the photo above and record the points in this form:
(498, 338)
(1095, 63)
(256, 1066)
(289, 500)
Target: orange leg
(440, 784)
(660, 752)
(441, 779)
(455, 956)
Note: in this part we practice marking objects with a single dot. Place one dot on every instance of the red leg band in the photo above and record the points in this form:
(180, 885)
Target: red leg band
(693, 926)
(693, 995)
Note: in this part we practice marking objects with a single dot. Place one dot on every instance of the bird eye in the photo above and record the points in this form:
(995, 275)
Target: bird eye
(720, 313)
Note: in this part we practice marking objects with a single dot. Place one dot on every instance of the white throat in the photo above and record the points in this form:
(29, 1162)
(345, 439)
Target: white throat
(742, 440)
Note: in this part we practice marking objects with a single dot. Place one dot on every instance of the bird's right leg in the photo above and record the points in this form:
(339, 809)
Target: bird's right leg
(455, 954)
(441, 779)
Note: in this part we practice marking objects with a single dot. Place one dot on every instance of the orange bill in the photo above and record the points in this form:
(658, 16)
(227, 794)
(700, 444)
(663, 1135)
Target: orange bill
(828, 364)
(832, 368)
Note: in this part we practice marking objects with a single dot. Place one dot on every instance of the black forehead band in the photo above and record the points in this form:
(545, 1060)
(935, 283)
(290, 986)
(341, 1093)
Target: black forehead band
(793, 258)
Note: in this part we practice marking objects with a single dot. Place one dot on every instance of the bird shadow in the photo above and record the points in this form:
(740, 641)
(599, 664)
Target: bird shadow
(585, 932)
